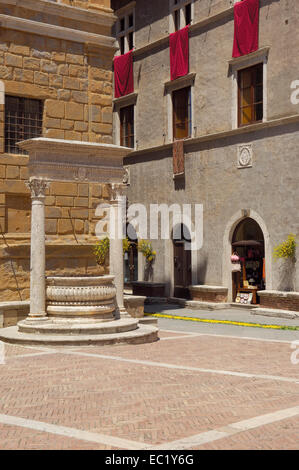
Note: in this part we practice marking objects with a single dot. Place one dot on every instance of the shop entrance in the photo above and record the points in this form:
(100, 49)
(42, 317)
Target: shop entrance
(248, 244)
(181, 262)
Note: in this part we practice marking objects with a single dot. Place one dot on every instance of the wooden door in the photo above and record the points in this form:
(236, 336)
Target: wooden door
(182, 270)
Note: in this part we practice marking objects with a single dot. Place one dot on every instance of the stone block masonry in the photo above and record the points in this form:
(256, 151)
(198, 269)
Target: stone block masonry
(70, 231)
(73, 79)
(69, 84)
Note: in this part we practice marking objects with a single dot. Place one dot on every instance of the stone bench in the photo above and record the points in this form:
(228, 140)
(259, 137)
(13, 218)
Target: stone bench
(148, 289)
(203, 293)
(274, 299)
(11, 312)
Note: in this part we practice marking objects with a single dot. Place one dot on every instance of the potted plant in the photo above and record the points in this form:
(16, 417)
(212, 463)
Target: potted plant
(145, 247)
(286, 251)
(101, 250)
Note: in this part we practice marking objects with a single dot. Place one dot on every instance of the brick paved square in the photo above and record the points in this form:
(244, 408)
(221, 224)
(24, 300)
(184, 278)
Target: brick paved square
(156, 399)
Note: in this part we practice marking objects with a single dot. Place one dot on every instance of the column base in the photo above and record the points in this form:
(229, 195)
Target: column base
(123, 313)
(37, 318)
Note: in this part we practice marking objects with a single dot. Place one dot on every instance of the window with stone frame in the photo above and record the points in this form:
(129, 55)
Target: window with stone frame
(125, 31)
(182, 119)
(127, 133)
(250, 95)
(23, 120)
(181, 14)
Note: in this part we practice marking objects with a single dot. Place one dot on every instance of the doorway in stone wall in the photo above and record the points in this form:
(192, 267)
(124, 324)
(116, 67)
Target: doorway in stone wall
(181, 261)
(131, 257)
(248, 243)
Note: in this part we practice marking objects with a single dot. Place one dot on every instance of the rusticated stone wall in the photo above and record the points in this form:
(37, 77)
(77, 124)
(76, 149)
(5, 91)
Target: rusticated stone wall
(70, 234)
(74, 81)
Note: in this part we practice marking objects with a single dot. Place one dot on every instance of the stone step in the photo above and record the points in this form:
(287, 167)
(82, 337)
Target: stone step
(148, 320)
(68, 328)
(271, 312)
(143, 334)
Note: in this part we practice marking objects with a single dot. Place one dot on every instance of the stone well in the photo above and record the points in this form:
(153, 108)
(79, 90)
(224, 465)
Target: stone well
(75, 310)
(80, 311)
(89, 298)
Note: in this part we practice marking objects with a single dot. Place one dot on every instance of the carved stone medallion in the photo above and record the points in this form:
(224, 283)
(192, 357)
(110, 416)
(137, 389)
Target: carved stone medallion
(245, 156)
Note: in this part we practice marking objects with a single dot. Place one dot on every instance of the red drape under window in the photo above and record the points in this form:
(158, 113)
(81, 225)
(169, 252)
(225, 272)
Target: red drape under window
(178, 157)
(123, 75)
(246, 19)
(179, 53)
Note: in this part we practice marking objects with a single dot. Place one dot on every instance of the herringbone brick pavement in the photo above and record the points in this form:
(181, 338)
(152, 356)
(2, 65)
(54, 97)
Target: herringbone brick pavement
(211, 352)
(16, 438)
(283, 435)
(148, 404)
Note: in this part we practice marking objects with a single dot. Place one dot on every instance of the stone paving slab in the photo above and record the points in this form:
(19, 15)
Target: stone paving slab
(228, 330)
(233, 314)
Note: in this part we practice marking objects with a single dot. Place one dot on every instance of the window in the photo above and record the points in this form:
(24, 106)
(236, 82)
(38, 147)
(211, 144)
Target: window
(250, 95)
(181, 14)
(188, 16)
(126, 116)
(125, 32)
(23, 120)
(182, 125)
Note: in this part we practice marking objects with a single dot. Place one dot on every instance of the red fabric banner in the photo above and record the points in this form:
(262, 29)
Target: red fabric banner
(123, 75)
(179, 53)
(178, 157)
(246, 14)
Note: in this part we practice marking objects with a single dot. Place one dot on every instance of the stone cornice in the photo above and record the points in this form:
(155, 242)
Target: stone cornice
(103, 16)
(180, 82)
(253, 128)
(43, 143)
(125, 100)
(54, 31)
(61, 160)
(243, 60)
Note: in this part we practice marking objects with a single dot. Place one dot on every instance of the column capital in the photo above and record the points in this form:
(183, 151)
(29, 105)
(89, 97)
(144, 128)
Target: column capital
(38, 187)
(117, 190)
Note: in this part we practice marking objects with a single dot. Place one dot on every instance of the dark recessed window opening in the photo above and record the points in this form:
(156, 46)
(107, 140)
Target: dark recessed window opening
(131, 20)
(250, 95)
(122, 45)
(127, 137)
(23, 120)
(122, 24)
(188, 14)
(131, 41)
(182, 113)
(177, 22)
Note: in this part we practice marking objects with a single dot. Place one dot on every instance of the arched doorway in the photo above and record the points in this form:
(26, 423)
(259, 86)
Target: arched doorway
(249, 244)
(182, 269)
(131, 257)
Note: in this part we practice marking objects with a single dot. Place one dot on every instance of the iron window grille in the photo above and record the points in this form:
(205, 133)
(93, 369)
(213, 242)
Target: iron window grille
(23, 120)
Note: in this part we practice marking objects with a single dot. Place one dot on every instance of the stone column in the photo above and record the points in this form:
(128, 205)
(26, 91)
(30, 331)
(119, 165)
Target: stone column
(38, 188)
(117, 219)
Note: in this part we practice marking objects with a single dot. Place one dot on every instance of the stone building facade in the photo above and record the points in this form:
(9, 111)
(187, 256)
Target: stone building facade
(55, 56)
(236, 172)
